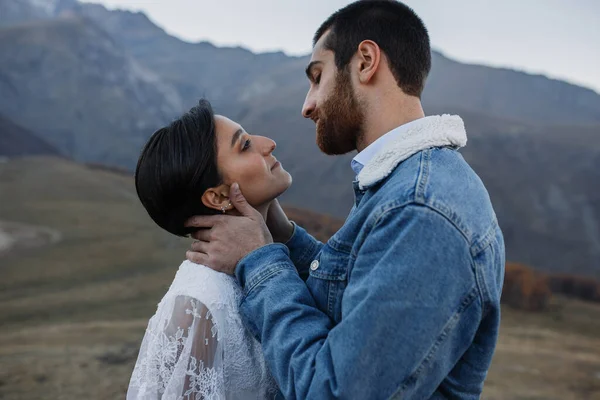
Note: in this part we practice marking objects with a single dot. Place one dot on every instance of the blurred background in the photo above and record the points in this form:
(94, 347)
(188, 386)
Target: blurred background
(83, 85)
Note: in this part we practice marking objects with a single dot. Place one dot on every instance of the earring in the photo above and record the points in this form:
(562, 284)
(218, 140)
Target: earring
(224, 208)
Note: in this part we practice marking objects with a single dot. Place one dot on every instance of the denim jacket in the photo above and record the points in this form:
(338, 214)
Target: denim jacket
(404, 300)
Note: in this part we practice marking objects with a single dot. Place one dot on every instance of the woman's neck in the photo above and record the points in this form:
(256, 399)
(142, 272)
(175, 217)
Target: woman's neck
(263, 210)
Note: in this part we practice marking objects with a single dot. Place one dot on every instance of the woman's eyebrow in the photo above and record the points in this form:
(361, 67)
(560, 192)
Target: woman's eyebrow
(236, 136)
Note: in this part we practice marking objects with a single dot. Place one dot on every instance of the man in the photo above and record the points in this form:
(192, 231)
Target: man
(404, 300)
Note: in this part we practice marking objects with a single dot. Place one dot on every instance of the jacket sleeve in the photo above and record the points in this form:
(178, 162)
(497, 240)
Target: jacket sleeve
(303, 248)
(408, 313)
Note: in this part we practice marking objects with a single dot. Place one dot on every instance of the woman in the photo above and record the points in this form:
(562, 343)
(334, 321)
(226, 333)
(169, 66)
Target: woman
(195, 346)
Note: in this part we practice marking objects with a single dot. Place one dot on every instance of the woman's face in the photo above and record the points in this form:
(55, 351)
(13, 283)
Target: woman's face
(248, 160)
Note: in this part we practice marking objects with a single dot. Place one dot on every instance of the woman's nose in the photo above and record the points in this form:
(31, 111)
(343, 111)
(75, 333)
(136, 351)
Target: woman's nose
(272, 146)
(269, 145)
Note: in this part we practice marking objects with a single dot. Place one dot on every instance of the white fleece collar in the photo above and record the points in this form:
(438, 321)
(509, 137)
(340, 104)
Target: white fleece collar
(432, 131)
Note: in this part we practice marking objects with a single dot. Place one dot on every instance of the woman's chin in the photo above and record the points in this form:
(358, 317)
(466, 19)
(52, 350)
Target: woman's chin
(282, 187)
(288, 183)
(289, 179)
(273, 192)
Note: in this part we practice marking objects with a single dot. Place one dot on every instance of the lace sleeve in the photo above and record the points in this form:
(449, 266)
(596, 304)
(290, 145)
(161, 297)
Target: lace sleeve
(181, 356)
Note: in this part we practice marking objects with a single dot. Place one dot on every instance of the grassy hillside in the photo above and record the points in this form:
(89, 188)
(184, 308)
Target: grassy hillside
(78, 287)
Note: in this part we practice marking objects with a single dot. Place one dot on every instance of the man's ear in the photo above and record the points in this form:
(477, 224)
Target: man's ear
(369, 57)
(217, 198)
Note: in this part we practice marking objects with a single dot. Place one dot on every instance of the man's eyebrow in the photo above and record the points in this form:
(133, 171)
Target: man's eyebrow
(310, 67)
(236, 136)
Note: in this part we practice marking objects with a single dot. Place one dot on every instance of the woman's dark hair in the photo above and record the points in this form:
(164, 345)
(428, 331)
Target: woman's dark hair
(176, 166)
(396, 29)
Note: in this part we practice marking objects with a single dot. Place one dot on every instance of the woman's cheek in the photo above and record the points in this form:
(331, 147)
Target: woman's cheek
(242, 172)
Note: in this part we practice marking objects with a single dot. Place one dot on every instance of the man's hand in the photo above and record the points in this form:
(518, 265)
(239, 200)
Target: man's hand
(279, 225)
(228, 238)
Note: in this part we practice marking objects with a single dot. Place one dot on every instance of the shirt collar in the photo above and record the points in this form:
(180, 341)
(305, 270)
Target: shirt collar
(363, 158)
(433, 131)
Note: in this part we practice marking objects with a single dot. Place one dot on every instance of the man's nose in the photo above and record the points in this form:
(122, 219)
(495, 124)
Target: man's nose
(309, 106)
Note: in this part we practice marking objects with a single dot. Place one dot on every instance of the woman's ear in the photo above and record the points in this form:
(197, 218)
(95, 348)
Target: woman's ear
(217, 198)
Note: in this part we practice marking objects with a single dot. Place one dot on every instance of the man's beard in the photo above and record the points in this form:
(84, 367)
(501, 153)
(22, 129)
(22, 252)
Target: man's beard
(340, 118)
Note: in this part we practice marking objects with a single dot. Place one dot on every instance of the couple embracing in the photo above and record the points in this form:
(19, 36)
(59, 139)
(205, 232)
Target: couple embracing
(402, 302)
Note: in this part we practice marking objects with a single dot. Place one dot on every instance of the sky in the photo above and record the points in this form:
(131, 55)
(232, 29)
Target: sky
(556, 38)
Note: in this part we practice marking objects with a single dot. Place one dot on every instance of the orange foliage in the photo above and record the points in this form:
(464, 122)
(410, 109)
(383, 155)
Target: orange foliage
(320, 226)
(525, 288)
(575, 286)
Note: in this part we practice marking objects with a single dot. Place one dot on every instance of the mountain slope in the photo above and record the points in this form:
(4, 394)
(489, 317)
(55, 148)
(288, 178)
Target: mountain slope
(230, 75)
(17, 141)
(224, 75)
(509, 94)
(69, 79)
(13, 12)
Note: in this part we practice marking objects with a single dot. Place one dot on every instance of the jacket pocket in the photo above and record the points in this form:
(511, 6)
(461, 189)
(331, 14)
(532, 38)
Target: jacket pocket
(328, 278)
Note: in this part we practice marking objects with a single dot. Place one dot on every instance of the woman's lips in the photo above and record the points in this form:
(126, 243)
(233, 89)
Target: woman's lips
(277, 164)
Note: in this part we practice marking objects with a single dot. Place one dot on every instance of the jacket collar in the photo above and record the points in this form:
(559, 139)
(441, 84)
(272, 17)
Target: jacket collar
(434, 131)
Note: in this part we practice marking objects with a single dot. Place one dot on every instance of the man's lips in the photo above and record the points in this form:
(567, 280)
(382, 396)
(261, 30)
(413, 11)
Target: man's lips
(277, 164)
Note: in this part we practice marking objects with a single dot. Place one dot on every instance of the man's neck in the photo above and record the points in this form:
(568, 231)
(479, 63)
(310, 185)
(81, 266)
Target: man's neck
(388, 116)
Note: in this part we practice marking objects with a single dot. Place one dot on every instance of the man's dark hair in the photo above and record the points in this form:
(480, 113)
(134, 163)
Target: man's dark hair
(176, 166)
(396, 29)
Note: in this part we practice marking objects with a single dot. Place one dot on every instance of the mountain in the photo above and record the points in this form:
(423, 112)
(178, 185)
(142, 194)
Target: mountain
(509, 94)
(18, 11)
(195, 69)
(237, 75)
(232, 77)
(18, 141)
(97, 82)
(69, 79)
(227, 76)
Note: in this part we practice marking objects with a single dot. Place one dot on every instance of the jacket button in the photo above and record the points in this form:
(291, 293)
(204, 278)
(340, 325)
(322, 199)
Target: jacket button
(314, 265)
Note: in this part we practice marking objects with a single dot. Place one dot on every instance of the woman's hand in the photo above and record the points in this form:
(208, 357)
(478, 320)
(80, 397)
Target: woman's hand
(228, 238)
(278, 223)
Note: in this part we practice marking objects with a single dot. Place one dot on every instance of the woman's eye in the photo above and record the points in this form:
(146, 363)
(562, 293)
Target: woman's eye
(246, 145)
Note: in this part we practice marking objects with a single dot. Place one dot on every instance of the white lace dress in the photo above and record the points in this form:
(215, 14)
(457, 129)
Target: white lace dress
(196, 346)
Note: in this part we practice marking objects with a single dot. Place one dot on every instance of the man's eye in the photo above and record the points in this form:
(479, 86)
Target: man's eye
(318, 79)
(246, 145)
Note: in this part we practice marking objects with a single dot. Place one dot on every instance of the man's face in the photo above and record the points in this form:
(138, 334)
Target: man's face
(331, 103)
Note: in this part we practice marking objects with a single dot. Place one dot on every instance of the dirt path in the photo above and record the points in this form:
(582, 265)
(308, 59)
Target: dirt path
(14, 235)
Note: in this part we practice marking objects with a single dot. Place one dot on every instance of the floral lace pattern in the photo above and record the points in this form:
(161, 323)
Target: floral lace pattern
(196, 346)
